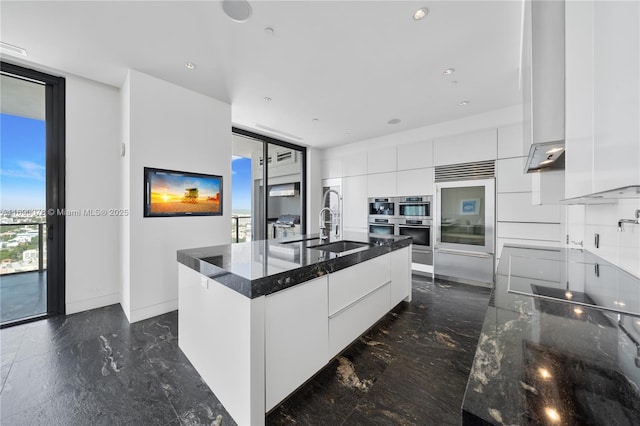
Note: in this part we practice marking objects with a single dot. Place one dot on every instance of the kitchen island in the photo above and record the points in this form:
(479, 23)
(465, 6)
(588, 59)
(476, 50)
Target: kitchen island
(258, 319)
(560, 343)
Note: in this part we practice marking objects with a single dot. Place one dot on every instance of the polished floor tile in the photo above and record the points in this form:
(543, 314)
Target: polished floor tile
(94, 368)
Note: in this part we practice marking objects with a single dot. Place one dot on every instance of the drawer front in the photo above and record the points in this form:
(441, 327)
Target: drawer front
(350, 284)
(349, 324)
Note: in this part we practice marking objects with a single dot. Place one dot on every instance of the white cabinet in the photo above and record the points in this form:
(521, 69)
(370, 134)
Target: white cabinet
(331, 168)
(415, 155)
(510, 175)
(616, 155)
(347, 325)
(516, 207)
(350, 284)
(511, 142)
(382, 160)
(355, 164)
(381, 184)
(466, 148)
(296, 337)
(415, 182)
(602, 104)
(354, 202)
(400, 275)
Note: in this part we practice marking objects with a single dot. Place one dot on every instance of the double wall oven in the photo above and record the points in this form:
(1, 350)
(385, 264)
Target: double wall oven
(409, 216)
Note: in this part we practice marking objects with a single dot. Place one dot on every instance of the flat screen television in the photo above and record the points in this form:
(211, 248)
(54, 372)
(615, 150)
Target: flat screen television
(174, 193)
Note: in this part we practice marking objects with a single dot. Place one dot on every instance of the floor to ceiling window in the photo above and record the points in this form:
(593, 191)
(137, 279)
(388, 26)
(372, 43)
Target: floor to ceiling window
(274, 210)
(31, 195)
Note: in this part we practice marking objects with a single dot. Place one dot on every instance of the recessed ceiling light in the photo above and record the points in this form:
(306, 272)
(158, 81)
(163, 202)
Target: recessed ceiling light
(267, 99)
(238, 10)
(315, 121)
(10, 48)
(448, 71)
(454, 82)
(269, 31)
(463, 103)
(420, 13)
(394, 121)
(190, 65)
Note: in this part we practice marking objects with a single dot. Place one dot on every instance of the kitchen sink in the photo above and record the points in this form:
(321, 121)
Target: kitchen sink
(341, 246)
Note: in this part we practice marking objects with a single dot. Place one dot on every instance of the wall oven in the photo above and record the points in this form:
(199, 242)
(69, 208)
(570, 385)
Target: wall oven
(382, 208)
(382, 226)
(414, 207)
(420, 231)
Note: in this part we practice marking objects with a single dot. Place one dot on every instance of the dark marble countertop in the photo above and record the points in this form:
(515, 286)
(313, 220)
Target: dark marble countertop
(557, 360)
(258, 268)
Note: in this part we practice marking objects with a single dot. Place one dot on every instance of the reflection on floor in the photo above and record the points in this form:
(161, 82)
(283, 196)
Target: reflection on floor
(22, 295)
(95, 368)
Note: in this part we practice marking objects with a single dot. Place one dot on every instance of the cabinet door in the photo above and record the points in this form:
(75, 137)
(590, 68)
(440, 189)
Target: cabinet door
(382, 160)
(400, 275)
(415, 182)
(415, 155)
(616, 156)
(381, 185)
(296, 337)
(354, 202)
(466, 148)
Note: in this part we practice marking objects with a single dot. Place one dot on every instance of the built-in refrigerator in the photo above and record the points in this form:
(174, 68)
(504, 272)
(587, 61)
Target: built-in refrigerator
(465, 231)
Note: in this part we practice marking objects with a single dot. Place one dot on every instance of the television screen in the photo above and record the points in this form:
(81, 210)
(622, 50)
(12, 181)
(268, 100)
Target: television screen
(174, 193)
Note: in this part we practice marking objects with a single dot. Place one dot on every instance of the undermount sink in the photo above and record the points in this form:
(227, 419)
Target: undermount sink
(341, 246)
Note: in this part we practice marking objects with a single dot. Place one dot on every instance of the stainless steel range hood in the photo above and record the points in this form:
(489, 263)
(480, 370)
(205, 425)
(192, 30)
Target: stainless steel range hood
(543, 74)
(285, 190)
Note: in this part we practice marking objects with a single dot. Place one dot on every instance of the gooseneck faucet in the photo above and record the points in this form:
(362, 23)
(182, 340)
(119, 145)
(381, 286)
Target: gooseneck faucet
(332, 215)
(635, 222)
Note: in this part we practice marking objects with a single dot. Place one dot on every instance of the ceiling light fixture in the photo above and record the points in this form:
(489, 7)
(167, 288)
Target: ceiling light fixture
(463, 103)
(394, 121)
(269, 31)
(267, 99)
(448, 71)
(420, 13)
(315, 121)
(190, 65)
(237, 10)
(10, 48)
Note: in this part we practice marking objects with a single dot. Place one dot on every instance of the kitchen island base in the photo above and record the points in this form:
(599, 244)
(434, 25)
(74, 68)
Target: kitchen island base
(254, 352)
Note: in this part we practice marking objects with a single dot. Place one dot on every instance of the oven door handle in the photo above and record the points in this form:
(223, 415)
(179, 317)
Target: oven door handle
(465, 253)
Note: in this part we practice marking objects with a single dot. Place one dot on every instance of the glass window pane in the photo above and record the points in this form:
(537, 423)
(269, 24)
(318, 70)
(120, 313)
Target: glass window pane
(462, 213)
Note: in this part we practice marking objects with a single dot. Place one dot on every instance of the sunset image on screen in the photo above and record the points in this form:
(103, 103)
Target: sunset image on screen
(177, 193)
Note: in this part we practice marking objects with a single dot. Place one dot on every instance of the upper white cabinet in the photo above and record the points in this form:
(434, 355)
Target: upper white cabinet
(355, 164)
(415, 155)
(354, 202)
(602, 104)
(382, 160)
(331, 168)
(511, 142)
(415, 182)
(466, 148)
(381, 184)
(616, 154)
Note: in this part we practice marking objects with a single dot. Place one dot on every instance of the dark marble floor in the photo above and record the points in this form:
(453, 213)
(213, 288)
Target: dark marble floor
(94, 368)
(22, 295)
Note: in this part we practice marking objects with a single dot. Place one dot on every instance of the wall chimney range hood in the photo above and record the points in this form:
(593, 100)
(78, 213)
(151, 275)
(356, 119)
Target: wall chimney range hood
(543, 76)
(285, 190)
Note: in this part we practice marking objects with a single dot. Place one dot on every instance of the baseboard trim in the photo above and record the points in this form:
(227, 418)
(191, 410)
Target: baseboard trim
(151, 311)
(93, 303)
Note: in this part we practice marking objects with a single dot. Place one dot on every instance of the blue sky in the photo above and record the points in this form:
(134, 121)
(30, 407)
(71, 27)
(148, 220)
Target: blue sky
(241, 184)
(22, 163)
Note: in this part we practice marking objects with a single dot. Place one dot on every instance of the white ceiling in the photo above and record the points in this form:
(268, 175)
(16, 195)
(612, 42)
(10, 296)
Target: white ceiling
(352, 65)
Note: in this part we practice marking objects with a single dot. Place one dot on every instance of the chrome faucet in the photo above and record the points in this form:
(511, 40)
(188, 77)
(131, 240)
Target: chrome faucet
(635, 222)
(323, 225)
(332, 216)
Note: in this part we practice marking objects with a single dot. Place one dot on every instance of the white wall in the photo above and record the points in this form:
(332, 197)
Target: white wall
(173, 128)
(92, 182)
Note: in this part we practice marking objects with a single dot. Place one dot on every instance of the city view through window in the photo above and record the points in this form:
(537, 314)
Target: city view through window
(22, 199)
(240, 199)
